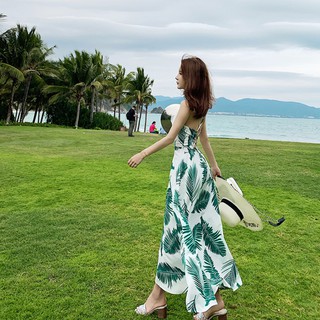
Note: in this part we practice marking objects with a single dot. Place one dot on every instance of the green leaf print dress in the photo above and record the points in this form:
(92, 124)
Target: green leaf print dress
(193, 255)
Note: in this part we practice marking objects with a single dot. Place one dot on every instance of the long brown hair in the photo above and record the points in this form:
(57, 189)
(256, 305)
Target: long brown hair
(197, 85)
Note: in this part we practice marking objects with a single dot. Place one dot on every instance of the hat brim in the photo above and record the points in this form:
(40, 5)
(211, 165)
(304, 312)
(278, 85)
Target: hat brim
(168, 115)
(251, 219)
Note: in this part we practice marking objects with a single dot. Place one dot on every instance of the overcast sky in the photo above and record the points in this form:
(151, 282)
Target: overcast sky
(253, 48)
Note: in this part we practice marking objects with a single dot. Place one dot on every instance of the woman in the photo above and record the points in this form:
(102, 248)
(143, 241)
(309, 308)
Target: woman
(153, 128)
(193, 255)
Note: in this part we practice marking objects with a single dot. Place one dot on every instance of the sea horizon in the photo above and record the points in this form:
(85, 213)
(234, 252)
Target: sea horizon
(306, 130)
(251, 127)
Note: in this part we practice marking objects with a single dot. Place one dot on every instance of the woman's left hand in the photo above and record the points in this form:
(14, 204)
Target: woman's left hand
(215, 170)
(135, 160)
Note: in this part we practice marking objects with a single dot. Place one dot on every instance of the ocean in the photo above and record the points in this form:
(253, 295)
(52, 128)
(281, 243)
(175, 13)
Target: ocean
(250, 127)
(247, 127)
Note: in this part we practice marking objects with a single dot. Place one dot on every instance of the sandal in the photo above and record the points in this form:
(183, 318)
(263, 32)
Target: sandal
(162, 311)
(221, 314)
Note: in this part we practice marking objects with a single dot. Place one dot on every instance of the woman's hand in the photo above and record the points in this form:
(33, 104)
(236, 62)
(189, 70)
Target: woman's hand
(215, 170)
(135, 160)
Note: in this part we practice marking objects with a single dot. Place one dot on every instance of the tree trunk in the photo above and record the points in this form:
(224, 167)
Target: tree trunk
(25, 96)
(78, 114)
(11, 102)
(19, 114)
(35, 115)
(136, 118)
(42, 115)
(139, 118)
(16, 116)
(92, 104)
(145, 120)
(119, 107)
(97, 104)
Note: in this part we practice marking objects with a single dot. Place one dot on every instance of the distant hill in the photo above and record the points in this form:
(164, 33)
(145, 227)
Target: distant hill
(253, 107)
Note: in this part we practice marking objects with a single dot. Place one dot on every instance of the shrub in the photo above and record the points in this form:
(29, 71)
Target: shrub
(105, 121)
(64, 113)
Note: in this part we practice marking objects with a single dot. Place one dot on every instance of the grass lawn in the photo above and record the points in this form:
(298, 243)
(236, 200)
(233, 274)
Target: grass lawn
(80, 230)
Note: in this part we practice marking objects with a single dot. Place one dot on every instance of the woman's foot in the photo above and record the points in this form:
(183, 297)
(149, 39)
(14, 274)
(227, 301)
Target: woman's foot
(161, 311)
(208, 315)
(157, 298)
(215, 311)
(156, 301)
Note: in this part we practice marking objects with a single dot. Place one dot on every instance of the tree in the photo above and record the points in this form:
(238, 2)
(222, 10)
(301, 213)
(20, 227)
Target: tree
(98, 79)
(11, 77)
(117, 86)
(148, 99)
(140, 92)
(76, 73)
(19, 49)
(36, 66)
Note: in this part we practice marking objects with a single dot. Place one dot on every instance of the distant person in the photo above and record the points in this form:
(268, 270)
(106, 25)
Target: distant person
(194, 257)
(131, 116)
(162, 131)
(153, 128)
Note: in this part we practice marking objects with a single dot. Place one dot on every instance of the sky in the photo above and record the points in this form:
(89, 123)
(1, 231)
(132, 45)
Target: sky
(253, 48)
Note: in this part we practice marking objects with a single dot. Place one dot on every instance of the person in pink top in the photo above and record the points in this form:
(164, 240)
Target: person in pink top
(152, 128)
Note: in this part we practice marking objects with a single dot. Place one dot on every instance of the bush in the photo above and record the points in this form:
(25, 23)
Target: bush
(4, 110)
(64, 113)
(105, 121)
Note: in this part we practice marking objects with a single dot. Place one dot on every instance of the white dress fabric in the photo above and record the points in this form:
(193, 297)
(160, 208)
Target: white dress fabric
(193, 255)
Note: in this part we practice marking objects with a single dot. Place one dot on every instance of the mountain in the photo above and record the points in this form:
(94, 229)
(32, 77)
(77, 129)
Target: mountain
(253, 107)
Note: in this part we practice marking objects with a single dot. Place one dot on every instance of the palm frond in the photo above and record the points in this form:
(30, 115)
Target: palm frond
(230, 272)
(168, 274)
(182, 168)
(191, 153)
(211, 269)
(208, 293)
(192, 237)
(178, 222)
(168, 210)
(194, 271)
(202, 201)
(191, 183)
(172, 241)
(204, 166)
(188, 238)
(191, 306)
(213, 240)
(182, 136)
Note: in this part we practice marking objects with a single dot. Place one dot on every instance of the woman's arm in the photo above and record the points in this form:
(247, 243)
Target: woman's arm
(209, 152)
(179, 121)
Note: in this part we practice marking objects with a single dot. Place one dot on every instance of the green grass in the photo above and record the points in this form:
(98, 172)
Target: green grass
(80, 230)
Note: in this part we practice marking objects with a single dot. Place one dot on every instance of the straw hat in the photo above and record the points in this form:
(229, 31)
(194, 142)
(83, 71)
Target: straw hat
(234, 208)
(168, 115)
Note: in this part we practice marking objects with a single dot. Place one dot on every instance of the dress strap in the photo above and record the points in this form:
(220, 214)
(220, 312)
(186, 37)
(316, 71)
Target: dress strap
(199, 129)
(200, 124)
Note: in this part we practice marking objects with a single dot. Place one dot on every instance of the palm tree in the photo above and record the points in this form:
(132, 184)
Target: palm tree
(148, 99)
(11, 77)
(117, 85)
(140, 92)
(36, 66)
(98, 79)
(76, 73)
(17, 46)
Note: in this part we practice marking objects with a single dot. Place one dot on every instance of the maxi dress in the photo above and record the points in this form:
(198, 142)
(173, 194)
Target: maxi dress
(193, 255)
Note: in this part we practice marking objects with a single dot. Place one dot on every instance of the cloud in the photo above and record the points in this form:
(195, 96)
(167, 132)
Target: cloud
(254, 48)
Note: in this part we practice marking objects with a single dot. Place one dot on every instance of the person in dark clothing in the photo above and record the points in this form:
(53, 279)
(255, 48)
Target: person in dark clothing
(131, 116)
